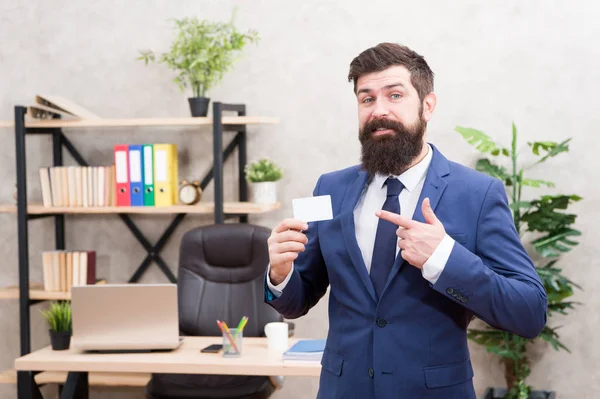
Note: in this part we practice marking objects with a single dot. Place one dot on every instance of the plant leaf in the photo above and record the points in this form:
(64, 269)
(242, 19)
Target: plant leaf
(550, 244)
(484, 165)
(520, 205)
(203, 51)
(58, 316)
(481, 141)
(263, 170)
(550, 147)
(549, 335)
(536, 183)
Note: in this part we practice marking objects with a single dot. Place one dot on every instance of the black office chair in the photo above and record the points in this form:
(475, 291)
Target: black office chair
(221, 276)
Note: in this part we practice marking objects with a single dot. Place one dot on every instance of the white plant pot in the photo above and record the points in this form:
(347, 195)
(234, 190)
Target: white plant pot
(264, 193)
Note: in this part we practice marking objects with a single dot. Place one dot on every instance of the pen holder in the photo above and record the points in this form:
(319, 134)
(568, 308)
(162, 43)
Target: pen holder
(237, 338)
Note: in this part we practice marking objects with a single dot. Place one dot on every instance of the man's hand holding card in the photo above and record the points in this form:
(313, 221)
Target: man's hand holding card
(287, 239)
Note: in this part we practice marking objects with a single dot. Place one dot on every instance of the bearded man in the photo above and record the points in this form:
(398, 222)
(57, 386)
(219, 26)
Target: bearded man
(417, 246)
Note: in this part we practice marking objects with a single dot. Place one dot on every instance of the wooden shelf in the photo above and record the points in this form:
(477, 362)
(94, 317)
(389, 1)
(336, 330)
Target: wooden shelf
(142, 122)
(8, 376)
(95, 379)
(35, 293)
(200, 208)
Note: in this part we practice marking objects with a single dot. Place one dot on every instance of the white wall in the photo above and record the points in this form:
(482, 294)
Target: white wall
(534, 63)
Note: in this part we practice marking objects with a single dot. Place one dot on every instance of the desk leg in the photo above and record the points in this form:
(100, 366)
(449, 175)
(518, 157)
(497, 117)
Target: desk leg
(26, 386)
(76, 386)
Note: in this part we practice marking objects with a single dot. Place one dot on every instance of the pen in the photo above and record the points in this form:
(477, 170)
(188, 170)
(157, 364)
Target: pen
(223, 326)
(242, 323)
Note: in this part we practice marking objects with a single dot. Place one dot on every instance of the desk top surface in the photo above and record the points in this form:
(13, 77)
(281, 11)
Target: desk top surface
(256, 359)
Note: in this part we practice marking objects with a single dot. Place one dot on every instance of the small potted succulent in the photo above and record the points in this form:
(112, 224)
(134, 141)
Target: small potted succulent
(58, 316)
(263, 175)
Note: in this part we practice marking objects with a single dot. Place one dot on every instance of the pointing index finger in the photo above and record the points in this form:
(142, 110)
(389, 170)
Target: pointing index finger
(398, 220)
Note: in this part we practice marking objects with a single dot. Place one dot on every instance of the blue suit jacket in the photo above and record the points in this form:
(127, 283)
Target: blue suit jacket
(412, 342)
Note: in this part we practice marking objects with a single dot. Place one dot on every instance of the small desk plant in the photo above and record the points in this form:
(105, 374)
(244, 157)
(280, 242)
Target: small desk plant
(58, 316)
(262, 176)
(201, 54)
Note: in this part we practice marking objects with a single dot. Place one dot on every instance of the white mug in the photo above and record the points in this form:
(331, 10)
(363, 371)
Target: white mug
(277, 336)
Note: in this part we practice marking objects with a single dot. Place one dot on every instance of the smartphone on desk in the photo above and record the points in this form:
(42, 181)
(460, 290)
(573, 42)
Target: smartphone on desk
(214, 348)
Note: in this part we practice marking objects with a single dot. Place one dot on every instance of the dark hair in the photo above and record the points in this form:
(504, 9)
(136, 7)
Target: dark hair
(385, 55)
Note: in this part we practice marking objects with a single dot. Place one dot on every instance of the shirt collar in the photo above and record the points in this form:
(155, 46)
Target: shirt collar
(410, 178)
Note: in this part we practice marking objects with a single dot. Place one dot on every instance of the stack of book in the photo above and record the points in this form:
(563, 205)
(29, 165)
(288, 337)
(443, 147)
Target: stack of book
(77, 186)
(65, 269)
(310, 350)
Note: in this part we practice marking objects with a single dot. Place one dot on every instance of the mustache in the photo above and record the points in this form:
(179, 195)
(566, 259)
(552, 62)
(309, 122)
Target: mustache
(381, 123)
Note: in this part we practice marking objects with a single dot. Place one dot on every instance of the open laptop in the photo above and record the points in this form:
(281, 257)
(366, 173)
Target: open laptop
(125, 317)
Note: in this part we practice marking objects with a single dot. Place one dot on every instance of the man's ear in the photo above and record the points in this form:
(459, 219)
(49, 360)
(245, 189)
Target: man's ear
(429, 103)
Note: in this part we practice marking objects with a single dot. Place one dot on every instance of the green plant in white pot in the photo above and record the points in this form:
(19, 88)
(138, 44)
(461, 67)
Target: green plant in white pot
(201, 54)
(262, 176)
(58, 316)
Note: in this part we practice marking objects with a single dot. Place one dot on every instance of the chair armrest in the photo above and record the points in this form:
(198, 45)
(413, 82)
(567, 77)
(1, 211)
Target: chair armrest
(277, 381)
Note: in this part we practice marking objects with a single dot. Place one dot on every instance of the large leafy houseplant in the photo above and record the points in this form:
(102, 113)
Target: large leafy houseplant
(545, 219)
(202, 52)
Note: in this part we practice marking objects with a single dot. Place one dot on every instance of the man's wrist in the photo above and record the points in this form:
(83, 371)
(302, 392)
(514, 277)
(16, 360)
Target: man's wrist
(277, 288)
(275, 278)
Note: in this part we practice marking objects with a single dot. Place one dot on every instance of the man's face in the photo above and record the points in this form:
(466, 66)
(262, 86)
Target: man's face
(392, 120)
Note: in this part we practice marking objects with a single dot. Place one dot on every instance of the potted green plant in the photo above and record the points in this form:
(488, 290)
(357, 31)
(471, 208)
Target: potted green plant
(58, 316)
(263, 175)
(543, 224)
(201, 54)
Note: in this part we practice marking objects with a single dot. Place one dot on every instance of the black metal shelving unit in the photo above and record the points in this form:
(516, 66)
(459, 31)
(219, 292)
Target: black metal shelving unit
(26, 385)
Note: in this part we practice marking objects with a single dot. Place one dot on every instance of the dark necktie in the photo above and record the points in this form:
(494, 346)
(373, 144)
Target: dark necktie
(384, 251)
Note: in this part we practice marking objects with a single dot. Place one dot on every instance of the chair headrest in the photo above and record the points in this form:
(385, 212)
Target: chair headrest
(226, 253)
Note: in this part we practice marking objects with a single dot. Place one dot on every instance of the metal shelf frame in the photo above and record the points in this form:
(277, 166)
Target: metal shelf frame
(75, 385)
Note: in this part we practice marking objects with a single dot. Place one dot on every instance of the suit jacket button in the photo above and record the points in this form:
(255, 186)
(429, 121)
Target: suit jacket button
(381, 322)
(464, 299)
(371, 372)
(450, 291)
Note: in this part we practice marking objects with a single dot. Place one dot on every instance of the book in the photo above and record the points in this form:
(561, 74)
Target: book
(77, 186)
(306, 350)
(64, 269)
(61, 106)
(46, 187)
(40, 111)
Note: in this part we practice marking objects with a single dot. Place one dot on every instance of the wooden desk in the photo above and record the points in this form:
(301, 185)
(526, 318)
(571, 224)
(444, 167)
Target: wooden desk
(256, 359)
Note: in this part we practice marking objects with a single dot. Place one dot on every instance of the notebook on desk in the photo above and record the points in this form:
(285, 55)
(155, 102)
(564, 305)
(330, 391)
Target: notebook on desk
(125, 317)
(306, 350)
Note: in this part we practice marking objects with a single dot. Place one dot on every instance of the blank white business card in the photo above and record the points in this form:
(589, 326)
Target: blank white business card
(313, 209)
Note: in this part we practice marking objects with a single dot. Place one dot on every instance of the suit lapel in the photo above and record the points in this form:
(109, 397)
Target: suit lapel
(348, 230)
(433, 188)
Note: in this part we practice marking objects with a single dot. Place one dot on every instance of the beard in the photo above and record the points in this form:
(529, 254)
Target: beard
(390, 154)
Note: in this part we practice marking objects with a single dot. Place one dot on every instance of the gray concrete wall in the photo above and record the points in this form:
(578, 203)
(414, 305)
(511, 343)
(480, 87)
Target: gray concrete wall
(535, 63)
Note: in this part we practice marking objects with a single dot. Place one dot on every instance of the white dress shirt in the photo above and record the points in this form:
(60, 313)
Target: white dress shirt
(365, 221)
